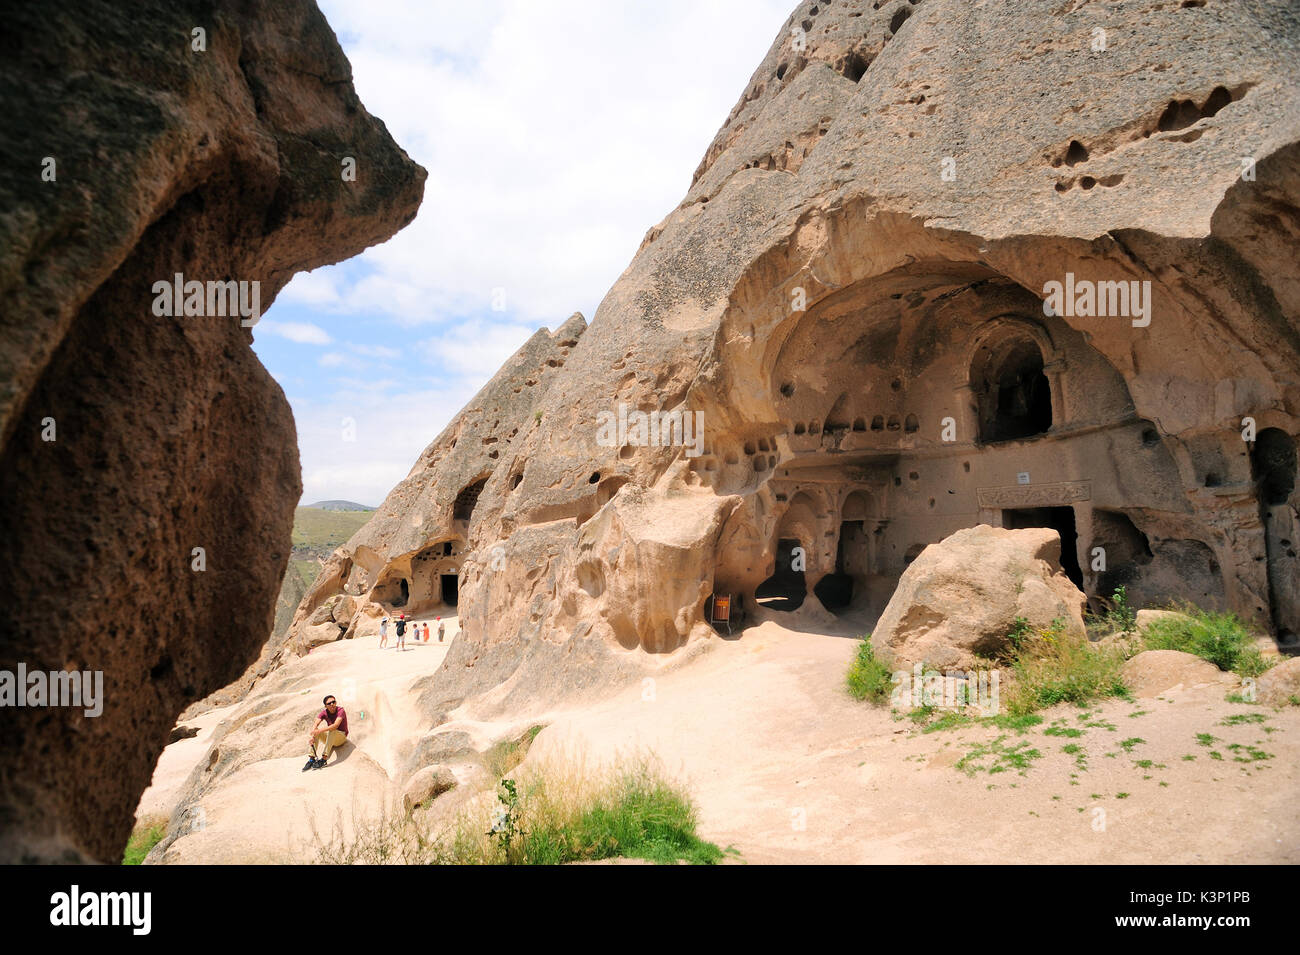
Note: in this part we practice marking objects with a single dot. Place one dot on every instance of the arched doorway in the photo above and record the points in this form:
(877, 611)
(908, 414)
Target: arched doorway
(1013, 396)
(1273, 464)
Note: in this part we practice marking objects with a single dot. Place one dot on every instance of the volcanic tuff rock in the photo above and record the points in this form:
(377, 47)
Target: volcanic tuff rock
(958, 602)
(221, 164)
(851, 293)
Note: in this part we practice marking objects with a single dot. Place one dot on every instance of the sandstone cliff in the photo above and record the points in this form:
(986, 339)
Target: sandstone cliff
(851, 295)
(138, 149)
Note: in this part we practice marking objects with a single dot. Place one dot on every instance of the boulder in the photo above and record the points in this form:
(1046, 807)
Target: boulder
(1280, 685)
(427, 785)
(957, 603)
(148, 462)
(1153, 672)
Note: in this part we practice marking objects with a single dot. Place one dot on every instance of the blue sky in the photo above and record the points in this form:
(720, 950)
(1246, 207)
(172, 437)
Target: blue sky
(555, 136)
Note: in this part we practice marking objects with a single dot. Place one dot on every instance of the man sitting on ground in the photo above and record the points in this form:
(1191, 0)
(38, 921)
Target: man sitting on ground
(331, 731)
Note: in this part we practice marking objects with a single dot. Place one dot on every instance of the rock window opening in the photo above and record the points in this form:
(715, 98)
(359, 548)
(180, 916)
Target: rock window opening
(466, 500)
(1013, 394)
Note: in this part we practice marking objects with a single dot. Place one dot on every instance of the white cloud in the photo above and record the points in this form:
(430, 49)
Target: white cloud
(553, 140)
(554, 137)
(304, 333)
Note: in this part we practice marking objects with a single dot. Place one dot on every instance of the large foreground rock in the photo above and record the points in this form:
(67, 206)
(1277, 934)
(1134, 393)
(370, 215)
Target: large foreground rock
(956, 605)
(127, 439)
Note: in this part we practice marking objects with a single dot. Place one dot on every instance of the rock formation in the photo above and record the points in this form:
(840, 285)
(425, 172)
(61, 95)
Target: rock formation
(195, 139)
(945, 264)
(958, 602)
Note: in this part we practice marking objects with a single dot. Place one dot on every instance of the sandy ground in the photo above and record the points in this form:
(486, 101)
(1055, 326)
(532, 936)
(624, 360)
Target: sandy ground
(786, 767)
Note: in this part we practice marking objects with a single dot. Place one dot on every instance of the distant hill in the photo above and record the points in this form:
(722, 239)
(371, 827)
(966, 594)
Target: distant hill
(338, 506)
(318, 531)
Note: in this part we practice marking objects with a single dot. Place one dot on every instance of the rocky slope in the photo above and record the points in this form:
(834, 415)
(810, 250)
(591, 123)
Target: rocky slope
(851, 295)
(142, 148)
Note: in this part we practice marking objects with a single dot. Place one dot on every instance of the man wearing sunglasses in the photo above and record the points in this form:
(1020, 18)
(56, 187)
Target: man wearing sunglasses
(331, 731)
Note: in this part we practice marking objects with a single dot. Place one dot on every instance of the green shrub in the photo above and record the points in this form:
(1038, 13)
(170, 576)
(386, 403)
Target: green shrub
(868, 678)
(560, 811)
(1053, 668)
(1217, 637)
(639, 817)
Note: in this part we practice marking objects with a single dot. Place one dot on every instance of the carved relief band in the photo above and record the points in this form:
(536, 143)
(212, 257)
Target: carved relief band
(1035, 495)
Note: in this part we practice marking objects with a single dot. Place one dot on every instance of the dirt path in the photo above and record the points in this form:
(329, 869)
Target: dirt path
(787, 768)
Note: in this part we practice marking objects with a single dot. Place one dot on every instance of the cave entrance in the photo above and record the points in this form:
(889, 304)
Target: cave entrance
(450, 589)
(786, 589)
(835, 590)
(1273, 461)
(1059, 519)
(404, 588)
(1012, 391)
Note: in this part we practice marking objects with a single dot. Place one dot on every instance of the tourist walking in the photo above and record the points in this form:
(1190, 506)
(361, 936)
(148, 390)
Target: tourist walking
(383, 633)
(442, 628)
(401, 633)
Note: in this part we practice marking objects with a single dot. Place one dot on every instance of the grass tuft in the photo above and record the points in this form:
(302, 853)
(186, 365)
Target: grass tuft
(144, 837)
(868, 678)
(1218, 637)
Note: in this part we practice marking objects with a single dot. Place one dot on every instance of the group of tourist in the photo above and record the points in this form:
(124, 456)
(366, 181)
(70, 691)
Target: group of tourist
(400, 625)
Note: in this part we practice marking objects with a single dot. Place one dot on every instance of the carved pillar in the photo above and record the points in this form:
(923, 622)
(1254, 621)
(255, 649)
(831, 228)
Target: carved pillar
(1054, 371)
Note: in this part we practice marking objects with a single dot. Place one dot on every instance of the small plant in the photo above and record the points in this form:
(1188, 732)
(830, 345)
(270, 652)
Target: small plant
(868, 678)
(1252, 755)
(1121, 616)
(1021, 631)
(1128, 744)
(1237, 719)
(1065, 731)
(1205, 739)
(505, 827)
(1004, 758)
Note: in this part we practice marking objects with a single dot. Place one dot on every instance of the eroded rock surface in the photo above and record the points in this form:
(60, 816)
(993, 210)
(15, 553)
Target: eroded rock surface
(222, 164)
(851, 296)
